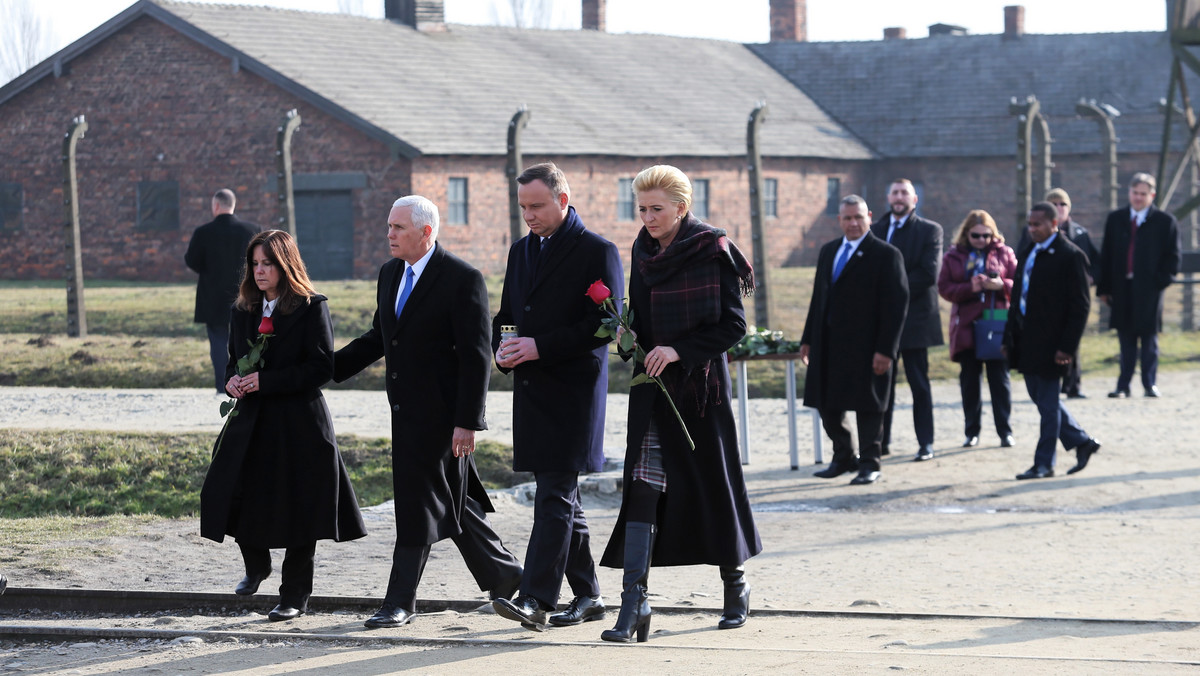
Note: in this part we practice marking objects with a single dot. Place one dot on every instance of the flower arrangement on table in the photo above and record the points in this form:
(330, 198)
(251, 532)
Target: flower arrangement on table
(252, 362)
(617, 325)
(763, 341)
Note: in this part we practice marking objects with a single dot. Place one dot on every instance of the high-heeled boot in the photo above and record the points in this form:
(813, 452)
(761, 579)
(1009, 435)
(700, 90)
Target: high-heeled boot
(737, 597)
(635, 607)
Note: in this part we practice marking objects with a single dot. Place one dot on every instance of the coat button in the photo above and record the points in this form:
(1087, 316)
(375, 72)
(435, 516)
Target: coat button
(525, 382)
(394, 343)
(395, 407)
(394, 376)
(528, 308)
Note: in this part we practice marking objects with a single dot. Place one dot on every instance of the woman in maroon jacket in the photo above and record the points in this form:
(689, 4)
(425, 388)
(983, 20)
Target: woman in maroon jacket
(976, 271)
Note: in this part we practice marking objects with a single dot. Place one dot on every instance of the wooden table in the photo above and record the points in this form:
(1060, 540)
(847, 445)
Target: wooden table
(743, 403)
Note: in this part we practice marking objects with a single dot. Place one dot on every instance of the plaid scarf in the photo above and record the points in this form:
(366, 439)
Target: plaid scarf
(685, 294)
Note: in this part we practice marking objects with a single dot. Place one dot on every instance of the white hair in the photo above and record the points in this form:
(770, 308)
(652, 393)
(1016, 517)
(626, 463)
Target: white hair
(424, 212)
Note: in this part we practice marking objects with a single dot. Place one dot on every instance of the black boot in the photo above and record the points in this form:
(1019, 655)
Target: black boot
(737, 597)
(635, 607)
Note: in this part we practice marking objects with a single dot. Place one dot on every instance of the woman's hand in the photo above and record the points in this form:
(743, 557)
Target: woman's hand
(993, 283)
(977, 282)
(234, 387)
(658, 358)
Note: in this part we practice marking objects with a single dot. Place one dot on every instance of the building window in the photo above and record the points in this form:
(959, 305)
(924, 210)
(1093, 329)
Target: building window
(700, 198)
(770, 197)
(12, 205)
(833, 196)
(624, 199)
(456, 196)
(158, 205)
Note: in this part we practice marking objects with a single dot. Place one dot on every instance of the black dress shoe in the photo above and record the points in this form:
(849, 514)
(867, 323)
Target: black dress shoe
(926, 453)
(1118, 394)
(281, 613)
(1008, 441)
(865, 477)
(1035, 472)
(1153, 392)
(971, 441)
(524, 609)
(1076, 394)
(506, 589)
(389, 615)
(1083, 453)
(581, 609)
(835, 469)
(249, 584)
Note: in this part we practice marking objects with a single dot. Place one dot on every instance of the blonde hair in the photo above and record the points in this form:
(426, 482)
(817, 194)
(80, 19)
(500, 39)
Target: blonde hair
(668, 179)
(974, 218)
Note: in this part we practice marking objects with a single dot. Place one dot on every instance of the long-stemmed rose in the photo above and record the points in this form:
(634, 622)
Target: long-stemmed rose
(253, 361)
(617, 325)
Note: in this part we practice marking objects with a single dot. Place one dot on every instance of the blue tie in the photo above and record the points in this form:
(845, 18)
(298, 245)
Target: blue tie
(1025, 277)
(841, 261)
(405, 292)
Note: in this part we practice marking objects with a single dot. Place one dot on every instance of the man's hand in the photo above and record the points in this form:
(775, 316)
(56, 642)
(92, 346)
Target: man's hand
(516, 351)
(804, 354)
(1061, 358)
(881, 363)
(462, 443)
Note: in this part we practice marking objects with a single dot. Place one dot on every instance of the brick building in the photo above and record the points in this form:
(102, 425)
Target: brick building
(182, 99)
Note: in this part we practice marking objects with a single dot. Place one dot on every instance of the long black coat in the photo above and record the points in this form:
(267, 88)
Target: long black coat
(704, 517)
(1156, 260)
(849, 322)
(438, 366)
(1056, 309)
(218, 252)
(560, 398)
(920, 243)
(277, 479)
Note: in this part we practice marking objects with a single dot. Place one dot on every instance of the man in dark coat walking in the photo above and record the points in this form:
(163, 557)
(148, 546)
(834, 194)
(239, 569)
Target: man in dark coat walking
(920, 242)
(560, 390)
(1138, 261)
(431, 328)
(1045, 322)
(851, 337)
(218, 251)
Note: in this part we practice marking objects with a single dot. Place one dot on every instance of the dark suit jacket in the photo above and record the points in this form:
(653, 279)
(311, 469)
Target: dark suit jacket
(1056, 310)
(438, 365)
(1156, 260)
(560, 398)
(849, 322)
(218, 252)
(920, 243)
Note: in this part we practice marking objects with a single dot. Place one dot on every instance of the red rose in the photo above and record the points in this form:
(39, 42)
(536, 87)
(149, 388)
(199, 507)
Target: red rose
(598, 292)
(267, 327)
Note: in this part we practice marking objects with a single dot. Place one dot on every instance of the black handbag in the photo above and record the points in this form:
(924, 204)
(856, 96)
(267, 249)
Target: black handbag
(989, 334)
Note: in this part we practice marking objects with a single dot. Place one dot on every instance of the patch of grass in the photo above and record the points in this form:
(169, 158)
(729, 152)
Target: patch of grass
(53, 541)
(73, 473)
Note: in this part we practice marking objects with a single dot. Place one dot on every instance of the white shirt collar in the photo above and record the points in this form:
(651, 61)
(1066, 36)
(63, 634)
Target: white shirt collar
(419, 266)
(1140, 215)
(269, 306)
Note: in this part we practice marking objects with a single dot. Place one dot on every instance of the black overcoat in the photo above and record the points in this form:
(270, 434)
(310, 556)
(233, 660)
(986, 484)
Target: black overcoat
(849, 322)
(1056, 309)
(1156, 260)
(217, 251)
(277, 479)
(920, 244)
(438, 366)
(559, 399)
(704, 516)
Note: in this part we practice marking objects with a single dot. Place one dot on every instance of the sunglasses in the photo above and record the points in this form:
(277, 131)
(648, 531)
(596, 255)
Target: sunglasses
(981, 235)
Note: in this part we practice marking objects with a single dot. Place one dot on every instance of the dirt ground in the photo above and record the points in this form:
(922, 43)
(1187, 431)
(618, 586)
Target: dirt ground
(950, 537)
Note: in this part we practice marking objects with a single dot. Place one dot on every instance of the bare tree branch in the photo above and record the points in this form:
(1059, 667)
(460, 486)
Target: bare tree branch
(532, 13)
(25, 38)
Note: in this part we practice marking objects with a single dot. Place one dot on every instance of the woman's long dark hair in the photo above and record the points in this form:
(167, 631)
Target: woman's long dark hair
(295, 288)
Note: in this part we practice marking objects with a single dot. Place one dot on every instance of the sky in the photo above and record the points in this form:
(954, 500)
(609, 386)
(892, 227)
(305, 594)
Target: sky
(828, 20)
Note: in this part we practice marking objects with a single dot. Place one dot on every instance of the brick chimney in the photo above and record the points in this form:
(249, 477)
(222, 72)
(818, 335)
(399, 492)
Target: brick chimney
(1014, 22)
(789, 21)
(423, 14)
(593, 15)
(894, 34)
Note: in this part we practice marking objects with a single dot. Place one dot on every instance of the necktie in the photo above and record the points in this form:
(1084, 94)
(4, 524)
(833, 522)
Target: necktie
(1133, 228)
(892, 230)
(405, 292)
(841, 261)
(1025, 277)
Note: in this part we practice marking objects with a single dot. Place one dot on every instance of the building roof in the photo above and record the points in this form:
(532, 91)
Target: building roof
(453, 92)
(948, 96)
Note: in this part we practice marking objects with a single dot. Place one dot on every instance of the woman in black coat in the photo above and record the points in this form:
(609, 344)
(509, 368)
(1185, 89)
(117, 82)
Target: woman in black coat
(682, 506)
(277, 478)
